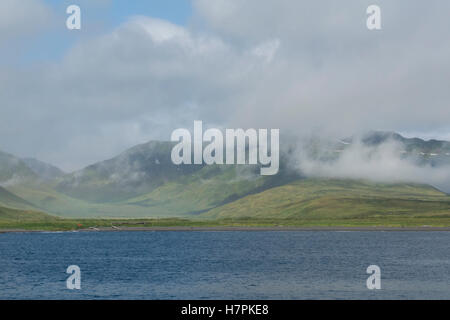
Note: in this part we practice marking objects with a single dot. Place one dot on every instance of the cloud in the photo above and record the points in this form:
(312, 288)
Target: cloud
(22, 18)
(386, 162)
(332, 74)
(108, 93)
(299, 66)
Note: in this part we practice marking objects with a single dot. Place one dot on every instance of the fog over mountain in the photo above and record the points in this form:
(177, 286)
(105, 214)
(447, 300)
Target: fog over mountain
(365, 174)
(387, 161)
(304, 67)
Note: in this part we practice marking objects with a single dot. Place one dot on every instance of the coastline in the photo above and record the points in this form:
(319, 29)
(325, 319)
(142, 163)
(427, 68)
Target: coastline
(227, 229)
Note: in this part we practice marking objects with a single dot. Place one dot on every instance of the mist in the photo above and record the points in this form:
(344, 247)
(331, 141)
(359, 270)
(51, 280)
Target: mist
(384, 163)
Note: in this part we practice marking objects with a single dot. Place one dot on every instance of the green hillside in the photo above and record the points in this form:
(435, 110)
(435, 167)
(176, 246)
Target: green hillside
(46, 199)
(142, 182)
(237, 192)
(10, 200)
(136, 171)
(8, 215)
(209, 187)
(145, 175)
(308, 202)
(337, 199)
(205, 189)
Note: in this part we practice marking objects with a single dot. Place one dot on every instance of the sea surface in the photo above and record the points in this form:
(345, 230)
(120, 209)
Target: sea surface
(225, 265)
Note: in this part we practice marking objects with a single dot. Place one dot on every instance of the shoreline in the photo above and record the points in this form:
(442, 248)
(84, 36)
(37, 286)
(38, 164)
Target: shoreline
(226, 229)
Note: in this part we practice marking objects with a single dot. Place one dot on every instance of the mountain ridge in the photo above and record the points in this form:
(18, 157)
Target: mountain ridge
(143, 182)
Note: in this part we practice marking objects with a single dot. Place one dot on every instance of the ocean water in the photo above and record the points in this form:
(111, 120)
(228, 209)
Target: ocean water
(225, 265)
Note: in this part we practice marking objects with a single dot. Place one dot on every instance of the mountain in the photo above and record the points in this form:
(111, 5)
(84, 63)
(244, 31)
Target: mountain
(43, 170)
(433, 152)
(209, 187)
(183, 195)
(136, 171)
(411, 144)
(143, 182)
(148, 168)
(14, 170)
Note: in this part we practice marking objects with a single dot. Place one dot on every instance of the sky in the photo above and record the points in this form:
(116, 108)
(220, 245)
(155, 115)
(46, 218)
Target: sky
(137, 70)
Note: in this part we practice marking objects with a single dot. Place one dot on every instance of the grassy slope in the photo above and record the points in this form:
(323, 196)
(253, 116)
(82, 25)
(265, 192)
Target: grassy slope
(136, 171)
(305, 203)
(190, 194)
(56, 203)
(337, 199)
(206, 189)
(309, 202)
(13, 215)
(10, 200)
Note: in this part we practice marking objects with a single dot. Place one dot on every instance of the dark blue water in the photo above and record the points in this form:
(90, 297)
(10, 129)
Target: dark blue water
(225, 265)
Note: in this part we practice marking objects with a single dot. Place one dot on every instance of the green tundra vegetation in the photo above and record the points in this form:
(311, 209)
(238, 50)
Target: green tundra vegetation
(302, 203)
(142, 187)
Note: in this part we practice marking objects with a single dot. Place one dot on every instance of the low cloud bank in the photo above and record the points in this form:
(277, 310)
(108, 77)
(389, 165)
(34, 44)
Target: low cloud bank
(387, 162)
